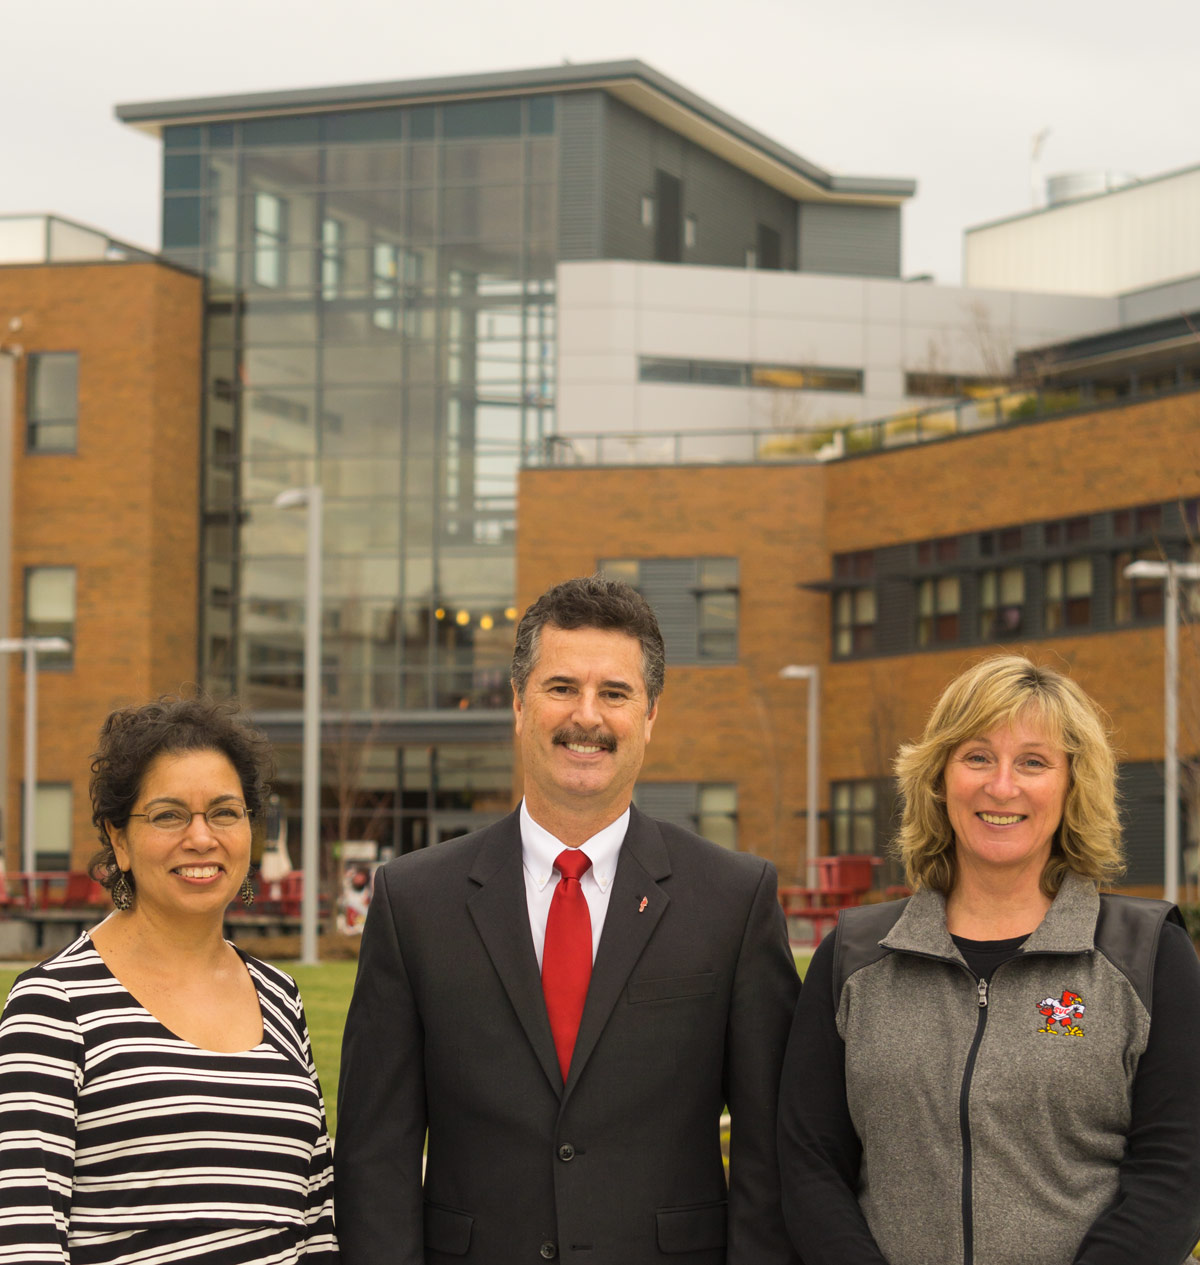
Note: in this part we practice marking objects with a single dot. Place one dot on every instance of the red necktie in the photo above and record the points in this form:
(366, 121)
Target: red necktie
(567, 954)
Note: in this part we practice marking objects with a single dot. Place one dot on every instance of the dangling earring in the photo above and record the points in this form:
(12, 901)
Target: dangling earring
(246, 891)
(121, 892)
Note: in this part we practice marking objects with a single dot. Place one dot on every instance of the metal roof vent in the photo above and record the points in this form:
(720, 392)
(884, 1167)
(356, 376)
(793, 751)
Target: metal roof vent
(1070, 186)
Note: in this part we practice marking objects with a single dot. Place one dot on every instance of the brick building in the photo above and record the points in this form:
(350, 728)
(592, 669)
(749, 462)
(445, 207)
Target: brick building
(381, 313)
(99, 510)
(890, 571)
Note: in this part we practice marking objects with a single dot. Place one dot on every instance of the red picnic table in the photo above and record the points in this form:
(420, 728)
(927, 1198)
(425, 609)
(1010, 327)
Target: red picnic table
(842, 881)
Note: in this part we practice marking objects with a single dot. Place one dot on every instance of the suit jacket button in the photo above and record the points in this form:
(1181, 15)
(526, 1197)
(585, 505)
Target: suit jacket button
(549, 1250)
(566, 1152)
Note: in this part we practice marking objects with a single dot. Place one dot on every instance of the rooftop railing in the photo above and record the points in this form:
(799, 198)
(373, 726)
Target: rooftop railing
(832, 442)
(49, 239)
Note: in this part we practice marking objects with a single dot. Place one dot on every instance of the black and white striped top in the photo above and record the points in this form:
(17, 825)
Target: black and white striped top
(121, 1144)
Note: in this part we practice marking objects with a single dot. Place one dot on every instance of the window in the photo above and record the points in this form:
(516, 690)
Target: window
(1001, 603)
(736, 373)
(806, 378)
(717, 609)
(854, 608)
(859, 565)
(467, 119)
(1007, 540)
(647, 211)
(932, 551)
(1068, 592)
(854, 615)
(1066, 531)
(52, 826)
(708, 808)
(52, 401)
(689, 230)
(863, 815)
(695, 600)
(1146, 520)
(270, 238)
(950, 385)
(1136, 600)
(664, 369)
(385, 283)
(853, 818)
(716, 813)
(333, 233)
(50, 610)
(938, 604)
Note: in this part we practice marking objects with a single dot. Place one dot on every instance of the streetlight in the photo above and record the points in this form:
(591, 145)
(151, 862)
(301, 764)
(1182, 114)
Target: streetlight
(310, 776)
(1170, 573)
(31, 647)
(812, 674)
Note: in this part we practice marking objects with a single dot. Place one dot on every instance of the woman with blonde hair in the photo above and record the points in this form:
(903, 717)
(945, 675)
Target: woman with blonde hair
(1000, 1069)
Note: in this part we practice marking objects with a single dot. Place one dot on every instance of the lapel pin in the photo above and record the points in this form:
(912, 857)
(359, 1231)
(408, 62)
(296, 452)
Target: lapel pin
(642, 906)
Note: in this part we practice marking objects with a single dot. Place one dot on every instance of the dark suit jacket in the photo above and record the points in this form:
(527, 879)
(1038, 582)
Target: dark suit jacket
(688, 1010)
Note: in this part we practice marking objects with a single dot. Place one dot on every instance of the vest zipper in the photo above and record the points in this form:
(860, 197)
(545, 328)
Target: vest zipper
(964, 1125)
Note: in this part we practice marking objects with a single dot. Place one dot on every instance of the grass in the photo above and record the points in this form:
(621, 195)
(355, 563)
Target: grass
(326, 991)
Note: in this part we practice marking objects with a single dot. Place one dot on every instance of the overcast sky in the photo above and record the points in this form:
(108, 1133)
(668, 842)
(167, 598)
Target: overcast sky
(948, 92)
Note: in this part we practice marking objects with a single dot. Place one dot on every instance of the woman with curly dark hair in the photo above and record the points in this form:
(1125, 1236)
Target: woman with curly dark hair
(158, 1099)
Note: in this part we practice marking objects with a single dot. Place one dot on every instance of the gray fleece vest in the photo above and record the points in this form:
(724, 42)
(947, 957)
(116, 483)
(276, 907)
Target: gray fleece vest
(993, 1119)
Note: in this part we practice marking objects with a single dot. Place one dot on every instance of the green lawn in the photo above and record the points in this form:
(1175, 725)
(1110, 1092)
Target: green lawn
(326, 992)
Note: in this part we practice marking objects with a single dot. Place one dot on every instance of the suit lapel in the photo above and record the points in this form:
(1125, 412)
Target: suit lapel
(634, 909)
(501, 914)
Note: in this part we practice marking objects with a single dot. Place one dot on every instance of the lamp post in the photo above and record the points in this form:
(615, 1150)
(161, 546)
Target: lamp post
(812, 674)
(1171, 573)
(31, 646)
(8, 413)
(312, 498)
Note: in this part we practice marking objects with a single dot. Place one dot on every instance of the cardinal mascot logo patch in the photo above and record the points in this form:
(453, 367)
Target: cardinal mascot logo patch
(1063, 1011)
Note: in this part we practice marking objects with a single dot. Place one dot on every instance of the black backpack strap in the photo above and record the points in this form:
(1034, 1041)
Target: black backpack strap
(856, 940)
(1127, 933)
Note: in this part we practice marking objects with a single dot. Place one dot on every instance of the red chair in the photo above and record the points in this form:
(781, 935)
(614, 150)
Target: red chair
(291, 889)
(82, 891)
(842, 881)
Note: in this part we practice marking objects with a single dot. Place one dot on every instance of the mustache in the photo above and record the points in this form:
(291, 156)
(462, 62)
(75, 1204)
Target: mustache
(582, 737)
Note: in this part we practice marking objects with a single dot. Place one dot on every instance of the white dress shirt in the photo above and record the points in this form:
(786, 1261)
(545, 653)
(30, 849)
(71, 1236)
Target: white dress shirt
(540, 849)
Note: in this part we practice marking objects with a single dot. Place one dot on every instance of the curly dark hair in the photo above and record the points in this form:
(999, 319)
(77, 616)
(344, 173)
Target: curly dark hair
(592, 601)
(132, 737)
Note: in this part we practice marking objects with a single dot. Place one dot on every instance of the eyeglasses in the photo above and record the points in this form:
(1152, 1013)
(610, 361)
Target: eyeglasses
(176, 820)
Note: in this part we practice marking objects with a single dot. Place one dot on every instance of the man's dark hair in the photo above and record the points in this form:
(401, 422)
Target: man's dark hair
(591, 601)
(133, 737)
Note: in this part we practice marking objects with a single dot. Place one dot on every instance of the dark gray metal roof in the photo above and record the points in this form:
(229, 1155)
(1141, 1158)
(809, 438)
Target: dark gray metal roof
(634, 82)
(1172, 337)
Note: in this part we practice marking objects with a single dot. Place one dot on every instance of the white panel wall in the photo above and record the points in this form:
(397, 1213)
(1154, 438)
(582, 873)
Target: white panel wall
(1134, 237)
(23, 240)
(610, 314)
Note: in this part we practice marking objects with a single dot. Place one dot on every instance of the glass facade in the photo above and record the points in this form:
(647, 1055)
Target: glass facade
(381, 320)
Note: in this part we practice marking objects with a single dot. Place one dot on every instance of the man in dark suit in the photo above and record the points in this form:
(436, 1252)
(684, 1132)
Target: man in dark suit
(565, 1002)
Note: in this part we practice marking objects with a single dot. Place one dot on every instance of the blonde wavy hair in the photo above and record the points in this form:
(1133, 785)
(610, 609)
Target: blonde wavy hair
(994, 693)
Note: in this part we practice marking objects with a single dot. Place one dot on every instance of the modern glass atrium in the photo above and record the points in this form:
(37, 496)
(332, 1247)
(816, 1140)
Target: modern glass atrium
(380, 320)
